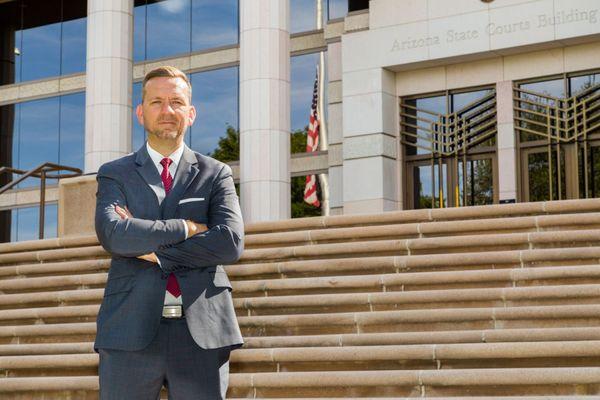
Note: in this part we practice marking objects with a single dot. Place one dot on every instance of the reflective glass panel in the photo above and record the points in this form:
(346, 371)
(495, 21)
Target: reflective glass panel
(167, 28)
(72, 130)
(26, 223)
(215, 96)
(40, 52)
(138, 134)
(337, 8)
(73, 46)
(39, 137)
(214, 23)
(303, 14)
(578, 84)
(302, 75)
(139, 33)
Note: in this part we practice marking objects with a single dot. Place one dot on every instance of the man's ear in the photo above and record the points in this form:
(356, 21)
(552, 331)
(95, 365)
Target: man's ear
(192, 115)
(139, 114)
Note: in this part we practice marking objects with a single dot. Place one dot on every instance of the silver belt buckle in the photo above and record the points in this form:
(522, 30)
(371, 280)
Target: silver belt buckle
(172, 311)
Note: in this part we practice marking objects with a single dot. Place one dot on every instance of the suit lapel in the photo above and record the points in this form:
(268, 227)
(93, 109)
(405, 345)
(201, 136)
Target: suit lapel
(185, 174)
(148, 171)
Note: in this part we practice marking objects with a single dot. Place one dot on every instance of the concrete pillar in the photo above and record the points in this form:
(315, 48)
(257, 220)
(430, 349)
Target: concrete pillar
(109, 78)
(335, 128)
(370, 149)
(507, 165)
(265, 110)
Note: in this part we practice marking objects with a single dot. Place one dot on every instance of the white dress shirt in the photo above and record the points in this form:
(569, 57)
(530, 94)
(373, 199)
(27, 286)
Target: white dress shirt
(175, 158)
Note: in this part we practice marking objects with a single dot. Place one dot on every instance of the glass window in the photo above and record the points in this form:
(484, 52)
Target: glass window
(39, 136)
(138, 133)
(303, 14)
(73, 46)
(337, 8)
(302, 75)
(51, 129)
(215, 96)
(25, 223)
(167, 28)
(139, 34)
(72, 130)
(49, 38)
(214, 23)
(40, 52)
(578, 84)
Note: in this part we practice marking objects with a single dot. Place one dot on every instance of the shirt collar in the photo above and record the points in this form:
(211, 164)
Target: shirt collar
(157, 157)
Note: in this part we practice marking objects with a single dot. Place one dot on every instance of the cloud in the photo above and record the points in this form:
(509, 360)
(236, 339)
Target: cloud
(174, 6)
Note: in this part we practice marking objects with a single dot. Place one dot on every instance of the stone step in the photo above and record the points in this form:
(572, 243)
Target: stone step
(255, 290)
(436, 245)
(344, 340)
(409, 281)
(390, 300)
(425, 215)
(384, 383)
(482, 355)
(349, 322)
(395, 264)
(425, 229)
(422, 320)
(54, 268)
(392, 292)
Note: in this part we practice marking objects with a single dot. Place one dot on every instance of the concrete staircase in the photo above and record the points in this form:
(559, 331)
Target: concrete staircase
(481, 302)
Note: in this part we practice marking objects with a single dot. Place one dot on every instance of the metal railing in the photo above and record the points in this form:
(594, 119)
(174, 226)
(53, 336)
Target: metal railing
(448, 138)
(42, 171)
(449, 134)
(554, 122)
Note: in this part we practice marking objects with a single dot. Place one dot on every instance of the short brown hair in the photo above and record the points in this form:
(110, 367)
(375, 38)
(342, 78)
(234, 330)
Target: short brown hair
(166, 71)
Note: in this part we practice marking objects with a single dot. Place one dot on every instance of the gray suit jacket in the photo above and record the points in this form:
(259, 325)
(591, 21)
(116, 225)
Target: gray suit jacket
(133, 299)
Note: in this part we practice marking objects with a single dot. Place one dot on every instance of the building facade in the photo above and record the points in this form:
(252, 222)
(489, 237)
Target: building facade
(431, 103)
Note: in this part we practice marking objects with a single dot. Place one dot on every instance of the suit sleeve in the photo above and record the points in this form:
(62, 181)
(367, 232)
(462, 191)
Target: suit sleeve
(222, 243)
(129, 237)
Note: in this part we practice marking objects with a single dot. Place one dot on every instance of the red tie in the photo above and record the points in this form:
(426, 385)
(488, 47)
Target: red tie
(172, 284)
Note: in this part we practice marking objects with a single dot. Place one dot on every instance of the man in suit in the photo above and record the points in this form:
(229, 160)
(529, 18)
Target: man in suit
(169, 217)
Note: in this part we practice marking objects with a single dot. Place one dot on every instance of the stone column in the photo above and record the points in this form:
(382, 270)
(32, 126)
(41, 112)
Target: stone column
(265, 110)
(334, 127)
(507, 165)
(109, 78)
(370, 135)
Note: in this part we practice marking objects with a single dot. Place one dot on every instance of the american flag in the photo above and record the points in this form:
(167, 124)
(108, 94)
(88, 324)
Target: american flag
(312, 144)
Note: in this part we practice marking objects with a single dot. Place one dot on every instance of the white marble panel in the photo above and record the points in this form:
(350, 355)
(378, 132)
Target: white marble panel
(445, 8)
(363, 179)
(395, 45)
(335, 123)
(474, 73)
(506, 136)
(384, 13)
(334, 61)
(368, 81)
(572, 18)
(369, 146)
(336, 182)
(422, 80)
(507, 173)
(520, 25)
(460, 34)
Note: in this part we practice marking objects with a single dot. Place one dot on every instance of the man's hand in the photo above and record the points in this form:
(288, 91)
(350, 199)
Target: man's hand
(193, 229)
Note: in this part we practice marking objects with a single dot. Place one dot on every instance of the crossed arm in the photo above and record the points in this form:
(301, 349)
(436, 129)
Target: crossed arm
(218, 242)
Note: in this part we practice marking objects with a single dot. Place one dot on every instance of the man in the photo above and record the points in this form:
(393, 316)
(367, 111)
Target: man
(169, 217)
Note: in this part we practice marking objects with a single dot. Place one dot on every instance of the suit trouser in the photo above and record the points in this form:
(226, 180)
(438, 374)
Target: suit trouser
(173, 358)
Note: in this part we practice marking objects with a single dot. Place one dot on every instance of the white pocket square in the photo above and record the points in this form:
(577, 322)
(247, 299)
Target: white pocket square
(190, 199)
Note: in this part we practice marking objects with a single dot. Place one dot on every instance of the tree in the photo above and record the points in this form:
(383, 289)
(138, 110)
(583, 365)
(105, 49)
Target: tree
(228, 149)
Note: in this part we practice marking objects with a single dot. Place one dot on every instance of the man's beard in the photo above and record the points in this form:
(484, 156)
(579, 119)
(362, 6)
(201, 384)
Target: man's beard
(166, 133)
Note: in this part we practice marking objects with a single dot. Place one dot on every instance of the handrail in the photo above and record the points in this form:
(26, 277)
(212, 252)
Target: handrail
(42, 172)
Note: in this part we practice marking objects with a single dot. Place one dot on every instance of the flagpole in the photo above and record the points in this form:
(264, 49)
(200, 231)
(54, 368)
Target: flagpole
(323, 143)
